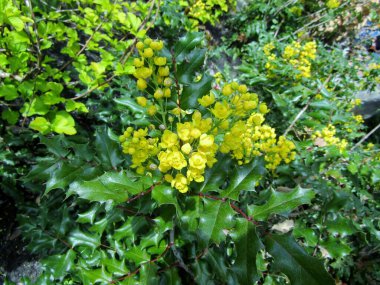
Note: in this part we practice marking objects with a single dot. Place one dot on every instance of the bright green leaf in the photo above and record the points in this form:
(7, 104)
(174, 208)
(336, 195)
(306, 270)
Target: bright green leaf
(63, 123)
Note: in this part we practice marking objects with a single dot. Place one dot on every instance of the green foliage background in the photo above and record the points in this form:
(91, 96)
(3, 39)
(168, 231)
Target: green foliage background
(66, 93)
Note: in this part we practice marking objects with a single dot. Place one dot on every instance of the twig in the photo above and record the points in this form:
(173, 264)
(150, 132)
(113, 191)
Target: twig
(177, 254)
(299, 115)
(233, 206)
(39, 55)
(365, 137)
(82, 49)
(138, 196)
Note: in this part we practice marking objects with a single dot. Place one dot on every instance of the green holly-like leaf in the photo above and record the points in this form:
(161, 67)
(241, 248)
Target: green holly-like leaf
(186, 44)
(99, 276)
(193, 62)
(79, 238)
(137, 255)
(89, 215)
(40, 124)
(281, 202)
(247, 245)
(294, 262)
(63, 123)
(64, 174)
(115, 186)
(215, 217)
(108, 150)
(164, 194)
(244, 178)
(59, 265)
(192, 91)
(216, 175)
(130, 103)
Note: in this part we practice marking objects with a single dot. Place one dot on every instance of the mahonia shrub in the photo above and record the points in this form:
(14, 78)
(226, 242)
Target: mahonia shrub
(184, 194)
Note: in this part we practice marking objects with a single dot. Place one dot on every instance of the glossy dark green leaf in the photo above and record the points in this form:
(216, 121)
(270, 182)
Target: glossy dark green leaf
(165, 194)
(215, 218)
(108, 151)
(247, 245)
(65, 174)
(59, 265)
(137, 255)
(100, 276)
(79, 238)
(187, 44)
(193, 62)
(216, 175)
(130, 104)
(281, 202)
(114, 186)
(294, 262)
(244, 178)
(194, 90)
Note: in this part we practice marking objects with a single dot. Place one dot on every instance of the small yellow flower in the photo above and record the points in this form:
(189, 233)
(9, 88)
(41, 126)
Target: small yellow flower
(148, 52)
(207, 100)
(186, 148)
(198, 160)
(169, 139)
(160, 61)
(180, 183)
(141, 84)
(221, 110)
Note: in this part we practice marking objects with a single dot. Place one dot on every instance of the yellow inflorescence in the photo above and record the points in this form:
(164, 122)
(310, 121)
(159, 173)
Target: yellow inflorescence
(328, 136)
(297, 55)
(151, 69)
(183, 146)
(332, 4)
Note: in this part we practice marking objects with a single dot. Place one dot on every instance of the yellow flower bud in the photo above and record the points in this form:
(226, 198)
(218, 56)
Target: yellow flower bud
(158, 94)
(140, 45)
(167, 92)
(168, 82)
(147, 41)
(138, 62)
(141, 84)
(141, 101)
(227, 90)
(163, 71)
(148, 52)
(159, 60)
(186, 148)
(152, 110)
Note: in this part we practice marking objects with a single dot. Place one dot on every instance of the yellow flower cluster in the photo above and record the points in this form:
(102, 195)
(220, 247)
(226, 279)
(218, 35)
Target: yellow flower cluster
(327, 137)
(141, 148)
(208, 10)
(332, 4)
(152, 66)
(236, 100)
(297, 55)
(184, 146)
(186, 153)
(249, 139)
